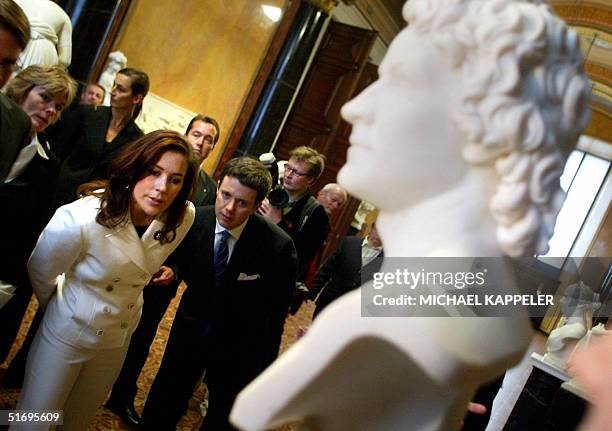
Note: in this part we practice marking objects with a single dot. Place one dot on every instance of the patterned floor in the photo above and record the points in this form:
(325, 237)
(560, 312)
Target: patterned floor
(105, 420)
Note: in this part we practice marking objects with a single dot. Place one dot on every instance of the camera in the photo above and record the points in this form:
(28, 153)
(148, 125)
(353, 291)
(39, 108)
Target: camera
(278, 197)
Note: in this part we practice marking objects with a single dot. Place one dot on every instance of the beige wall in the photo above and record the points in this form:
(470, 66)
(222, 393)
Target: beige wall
(199, 54)
(600, 126)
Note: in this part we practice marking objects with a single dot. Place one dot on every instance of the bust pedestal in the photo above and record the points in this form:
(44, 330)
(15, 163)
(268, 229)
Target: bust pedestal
(549, 401)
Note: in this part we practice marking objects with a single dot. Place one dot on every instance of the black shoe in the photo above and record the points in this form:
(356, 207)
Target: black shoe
(127, 413)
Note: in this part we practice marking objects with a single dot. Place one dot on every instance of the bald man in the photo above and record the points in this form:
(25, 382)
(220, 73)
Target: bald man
(332, 197)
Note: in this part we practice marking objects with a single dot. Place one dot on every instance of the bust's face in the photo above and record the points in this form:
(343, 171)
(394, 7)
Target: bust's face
(404, 143)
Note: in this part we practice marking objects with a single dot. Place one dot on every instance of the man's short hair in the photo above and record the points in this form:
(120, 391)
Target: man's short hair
(315, 160)
(205, 119)
(251, 173)
(14, 20)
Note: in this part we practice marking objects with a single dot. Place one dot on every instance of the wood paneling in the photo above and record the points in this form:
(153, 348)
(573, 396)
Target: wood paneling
(600, 126)
(338, 73)
(341, 222)
(332, 80)
(257, 88)
(203, 56)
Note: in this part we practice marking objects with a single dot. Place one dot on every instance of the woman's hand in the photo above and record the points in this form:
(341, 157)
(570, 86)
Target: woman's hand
(163, 277)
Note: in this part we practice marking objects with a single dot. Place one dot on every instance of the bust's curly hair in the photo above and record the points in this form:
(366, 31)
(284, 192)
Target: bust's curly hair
(524, 103)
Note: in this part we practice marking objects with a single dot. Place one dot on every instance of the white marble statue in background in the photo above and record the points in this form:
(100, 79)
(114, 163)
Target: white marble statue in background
(460, 144)
(116, 61)
(577, 305)
(51, 34)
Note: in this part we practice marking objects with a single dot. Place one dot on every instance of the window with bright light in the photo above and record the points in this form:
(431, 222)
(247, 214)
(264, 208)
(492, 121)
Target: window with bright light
(582, 179)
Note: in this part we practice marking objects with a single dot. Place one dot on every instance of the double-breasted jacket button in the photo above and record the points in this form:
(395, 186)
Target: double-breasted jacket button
(106, 309)
(116, 280)
(124, 325)
(110, 288)
(130, 305)
(100, 332)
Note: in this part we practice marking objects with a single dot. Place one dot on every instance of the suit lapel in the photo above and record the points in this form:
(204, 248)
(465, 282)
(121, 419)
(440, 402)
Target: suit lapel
(126, 135)
(203, 242)
(126, 239)
(199, 192)
(95, 131)
(241, 248)
(9, 139)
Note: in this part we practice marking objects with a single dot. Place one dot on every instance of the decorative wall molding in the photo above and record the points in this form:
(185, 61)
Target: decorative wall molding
(379, 18)
(328, 5)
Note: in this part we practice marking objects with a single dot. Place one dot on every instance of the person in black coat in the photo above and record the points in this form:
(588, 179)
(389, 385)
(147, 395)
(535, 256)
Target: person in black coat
(352, 264)
(42, 92)
(202, 133)
(14, 124)
(304, 219)
(88, 138)
(15, 128)
(230, 318)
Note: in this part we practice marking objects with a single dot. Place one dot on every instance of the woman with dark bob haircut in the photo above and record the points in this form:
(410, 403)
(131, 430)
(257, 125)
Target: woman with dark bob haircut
(90, 265)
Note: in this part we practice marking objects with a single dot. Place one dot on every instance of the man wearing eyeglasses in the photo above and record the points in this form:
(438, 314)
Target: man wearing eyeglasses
(304, 219)
(202, 133)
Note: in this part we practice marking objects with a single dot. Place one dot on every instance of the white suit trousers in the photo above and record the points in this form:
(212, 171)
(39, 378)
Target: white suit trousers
(63, 377)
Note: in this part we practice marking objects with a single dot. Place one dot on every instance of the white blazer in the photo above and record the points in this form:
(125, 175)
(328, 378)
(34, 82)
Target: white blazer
(90, 278)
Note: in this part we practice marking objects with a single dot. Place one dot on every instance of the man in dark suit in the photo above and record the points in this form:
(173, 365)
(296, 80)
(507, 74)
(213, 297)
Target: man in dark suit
(15, 128)
(15, 125)
(353, 263)
(240, 274)
(202, 133)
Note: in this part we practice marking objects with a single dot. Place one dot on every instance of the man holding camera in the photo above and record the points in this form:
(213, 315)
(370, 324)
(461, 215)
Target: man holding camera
(304, 218)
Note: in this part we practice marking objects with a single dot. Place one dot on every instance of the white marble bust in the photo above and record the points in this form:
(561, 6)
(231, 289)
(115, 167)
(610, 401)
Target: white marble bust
(460, 144)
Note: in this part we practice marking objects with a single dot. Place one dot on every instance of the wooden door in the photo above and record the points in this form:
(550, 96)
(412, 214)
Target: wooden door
(341, 222)
(339, 71)
(331, 81)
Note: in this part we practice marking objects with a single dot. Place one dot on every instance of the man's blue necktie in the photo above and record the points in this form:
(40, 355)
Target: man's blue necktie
(221, 255)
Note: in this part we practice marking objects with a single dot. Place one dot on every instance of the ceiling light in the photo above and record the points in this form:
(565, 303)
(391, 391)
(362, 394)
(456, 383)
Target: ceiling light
(272, 12)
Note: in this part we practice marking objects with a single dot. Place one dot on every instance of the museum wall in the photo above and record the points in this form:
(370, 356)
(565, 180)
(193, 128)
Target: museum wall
(600, 126)
(201, 56)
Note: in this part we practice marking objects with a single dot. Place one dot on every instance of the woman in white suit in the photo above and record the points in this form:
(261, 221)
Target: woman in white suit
(89, 267)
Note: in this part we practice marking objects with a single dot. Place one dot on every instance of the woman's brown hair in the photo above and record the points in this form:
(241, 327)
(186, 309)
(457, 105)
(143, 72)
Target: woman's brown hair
(133, 164)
